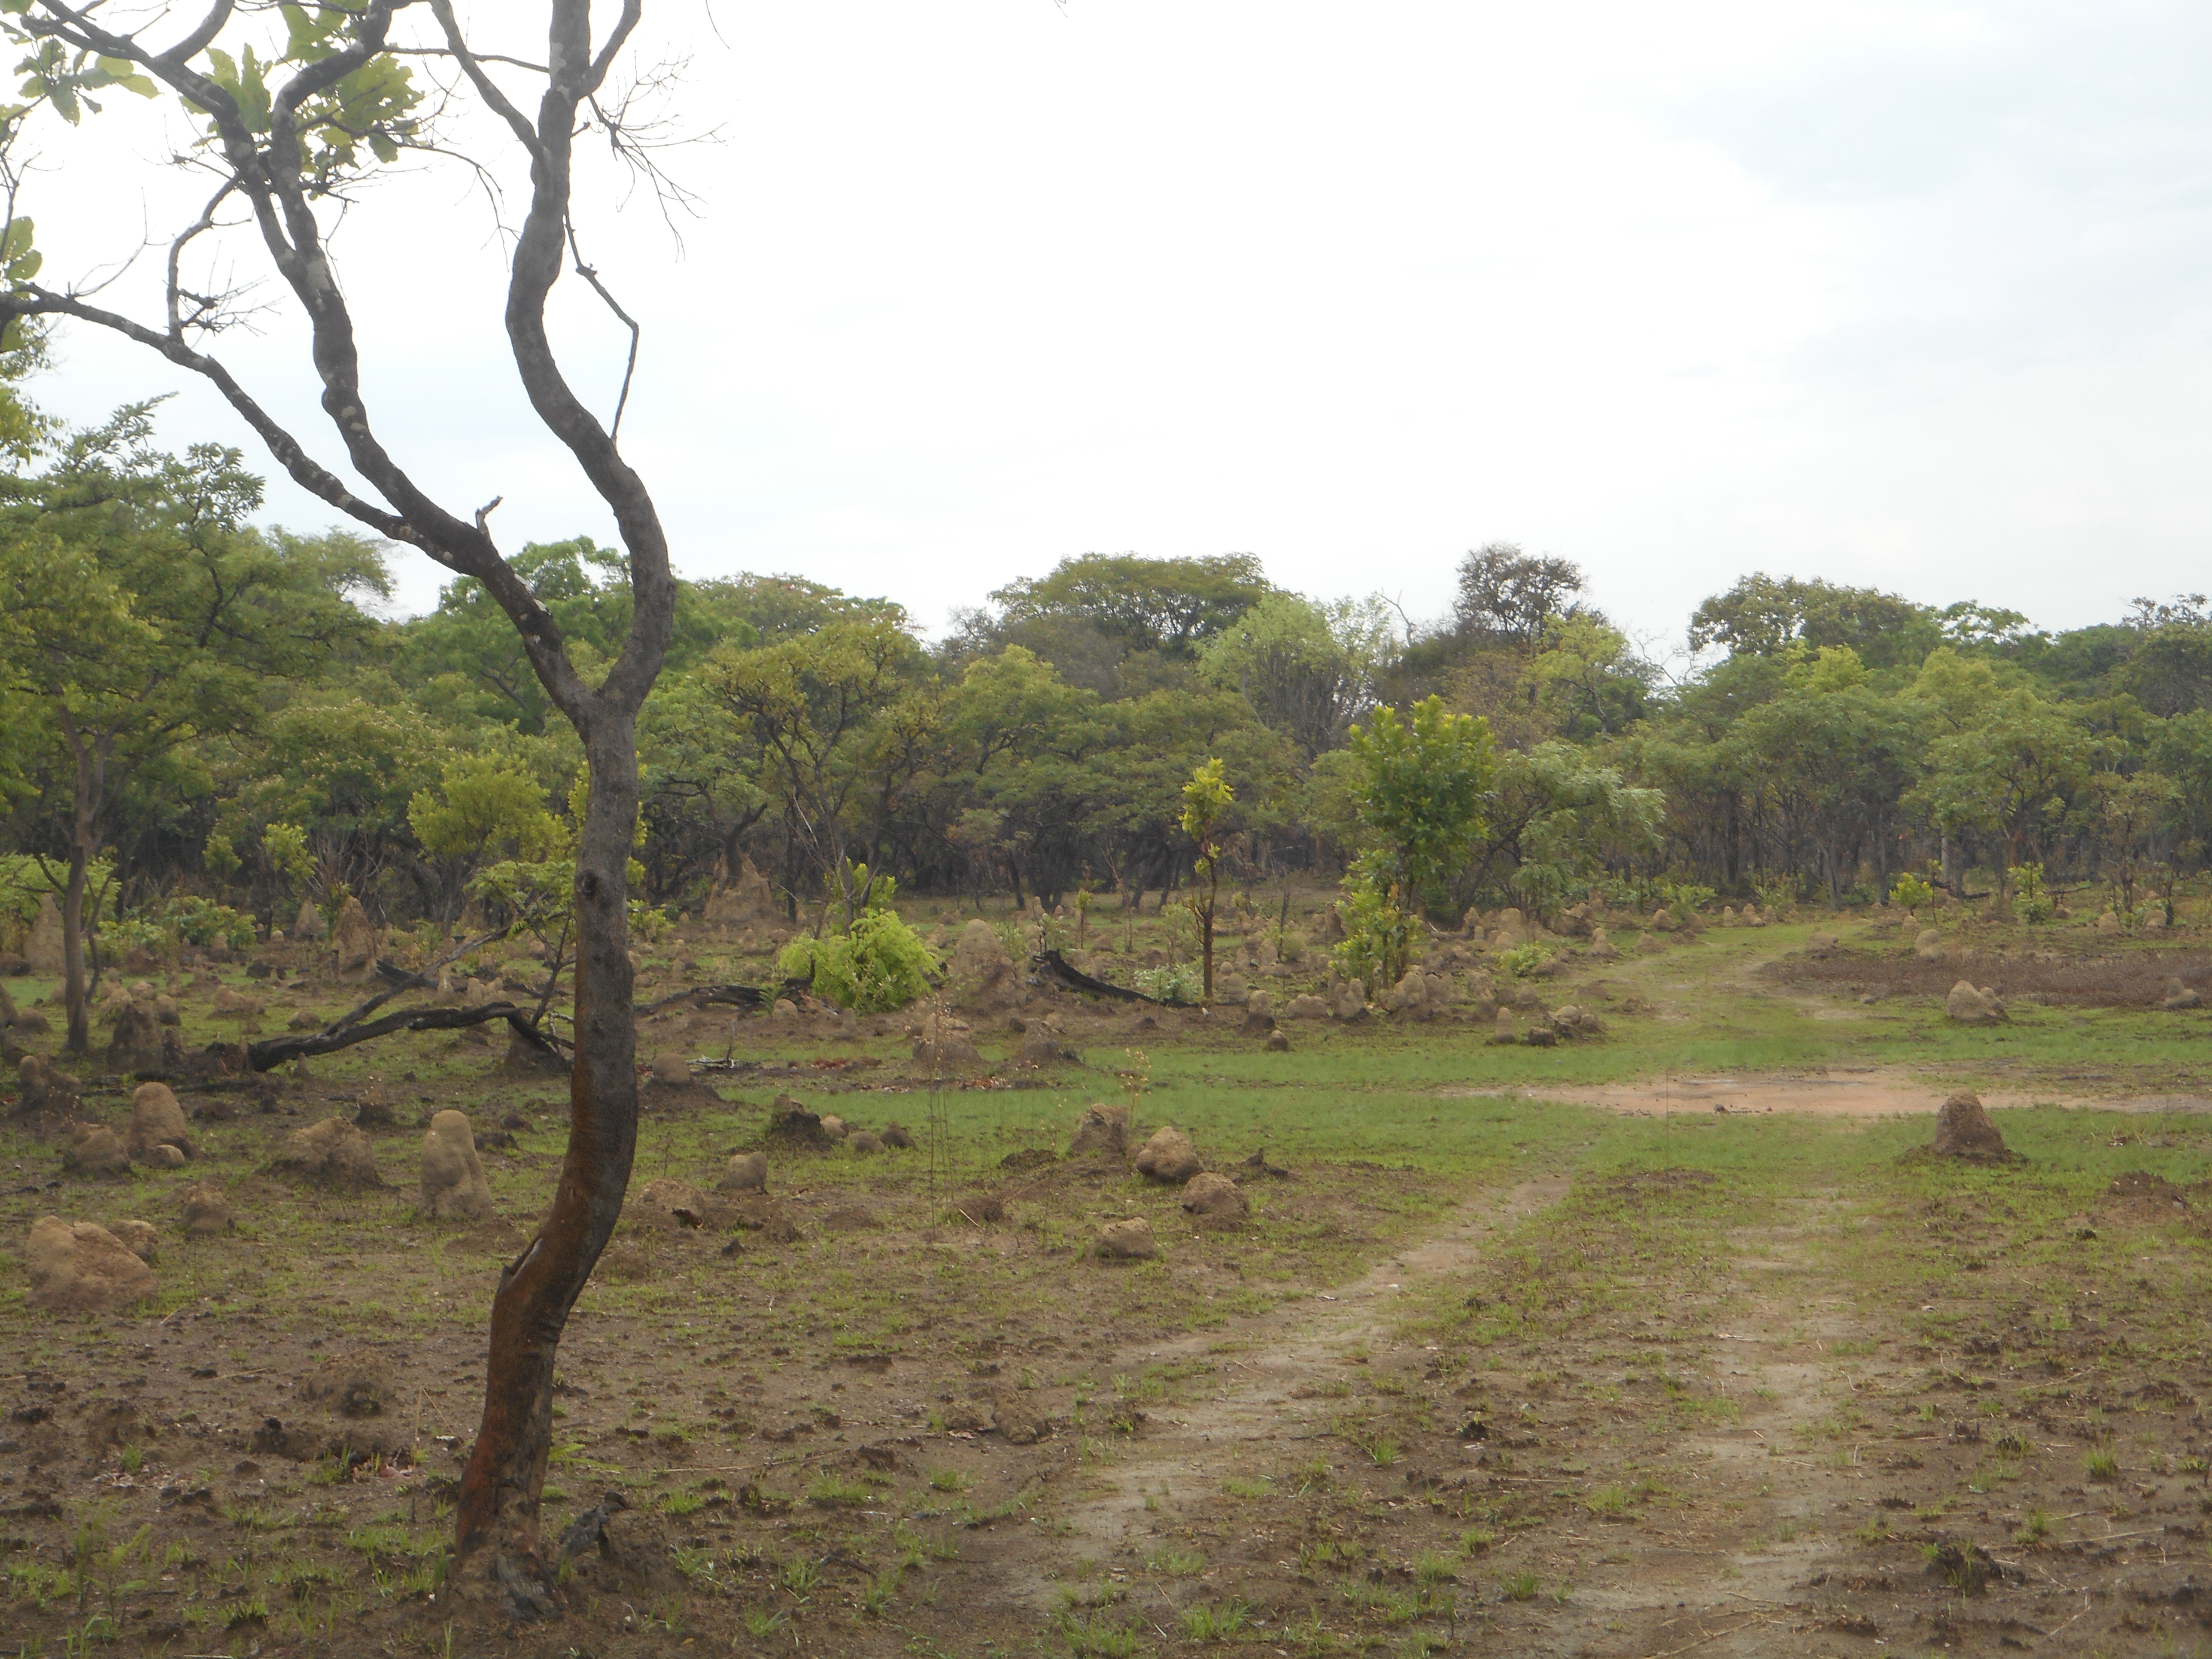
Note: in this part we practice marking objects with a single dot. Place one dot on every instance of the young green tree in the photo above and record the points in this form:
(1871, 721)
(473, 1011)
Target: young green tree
(297, 110)
(1205, 798)
(1420, 787)
(1419, 784)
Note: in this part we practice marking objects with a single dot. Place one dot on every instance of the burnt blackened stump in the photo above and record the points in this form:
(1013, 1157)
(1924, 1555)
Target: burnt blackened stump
(1964, 1131)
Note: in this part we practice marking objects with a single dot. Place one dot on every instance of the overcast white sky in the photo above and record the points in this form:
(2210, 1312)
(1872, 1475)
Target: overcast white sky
(1910, 295)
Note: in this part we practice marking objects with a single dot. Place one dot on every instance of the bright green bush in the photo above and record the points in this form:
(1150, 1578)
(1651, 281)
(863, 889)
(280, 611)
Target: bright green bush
(1179, 981)
(1912, 892)
(1378, 935)
(2032, 900)
(1522, 960)
(880, 964)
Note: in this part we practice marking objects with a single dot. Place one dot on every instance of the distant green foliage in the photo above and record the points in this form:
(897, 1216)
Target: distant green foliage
(880, 964)
(181, 920)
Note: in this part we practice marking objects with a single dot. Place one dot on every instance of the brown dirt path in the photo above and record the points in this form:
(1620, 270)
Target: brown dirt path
(1868, 1093)
(1262, 1405)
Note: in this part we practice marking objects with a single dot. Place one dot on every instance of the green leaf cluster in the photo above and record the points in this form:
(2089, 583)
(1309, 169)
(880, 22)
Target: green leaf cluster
(875, 966)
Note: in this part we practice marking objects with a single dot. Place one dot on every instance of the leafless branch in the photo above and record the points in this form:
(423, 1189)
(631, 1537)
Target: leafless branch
(198, 227)
(630, 368)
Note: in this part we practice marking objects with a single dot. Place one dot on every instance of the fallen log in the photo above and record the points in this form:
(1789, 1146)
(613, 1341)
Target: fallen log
(1052, 963)
(748, 997)
(267, 1055)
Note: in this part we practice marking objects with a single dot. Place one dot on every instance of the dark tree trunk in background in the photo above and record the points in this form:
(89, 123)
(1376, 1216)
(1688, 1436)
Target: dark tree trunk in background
(90, 758)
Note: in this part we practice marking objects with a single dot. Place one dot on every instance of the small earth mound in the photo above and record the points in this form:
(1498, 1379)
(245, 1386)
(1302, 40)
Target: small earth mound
(1168, 1157)
(952, 1056)
(747, 1172)
(95, 1150)
(977, 1210)
(793, 1125)
(206, 1210)
(45, 1087)
(1964, 1131)
(1041, 1046)
(332, 1154)
(156, 1120)
(453, 1185)
(140, 1046)
(1020, 1421)
(1968, 1005)
(141, 1238)
(669, 1204)
(1103, 1131)
(1215, 1201)
(356, 1383)
(79, 1267)
(2141, 1183)
(1126, 1241)
(771, 1220)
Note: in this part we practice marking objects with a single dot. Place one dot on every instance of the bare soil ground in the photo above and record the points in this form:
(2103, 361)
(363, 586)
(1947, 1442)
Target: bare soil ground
(1491, 1367)
(1870, 1092)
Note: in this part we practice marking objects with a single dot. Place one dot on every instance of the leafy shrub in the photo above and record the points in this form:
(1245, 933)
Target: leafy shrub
(2032, 900)
(1179, 981)
(1377, 934)
(881, 963)
(1912, 892)
(1522, 960)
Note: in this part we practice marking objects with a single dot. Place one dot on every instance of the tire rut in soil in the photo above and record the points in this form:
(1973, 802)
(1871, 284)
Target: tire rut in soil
(1238, 1424)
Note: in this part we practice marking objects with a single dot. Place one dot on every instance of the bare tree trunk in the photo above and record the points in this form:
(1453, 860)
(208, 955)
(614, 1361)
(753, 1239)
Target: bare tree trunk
(502, 1487)
(1206, 920)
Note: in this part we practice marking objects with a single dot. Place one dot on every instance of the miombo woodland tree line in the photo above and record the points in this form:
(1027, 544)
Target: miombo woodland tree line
(206, 728)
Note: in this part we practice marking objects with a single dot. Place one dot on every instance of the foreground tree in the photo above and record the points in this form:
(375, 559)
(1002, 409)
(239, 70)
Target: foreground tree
(291, 123)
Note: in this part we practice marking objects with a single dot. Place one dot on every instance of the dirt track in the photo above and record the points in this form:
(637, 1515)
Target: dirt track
(1869, 1092)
